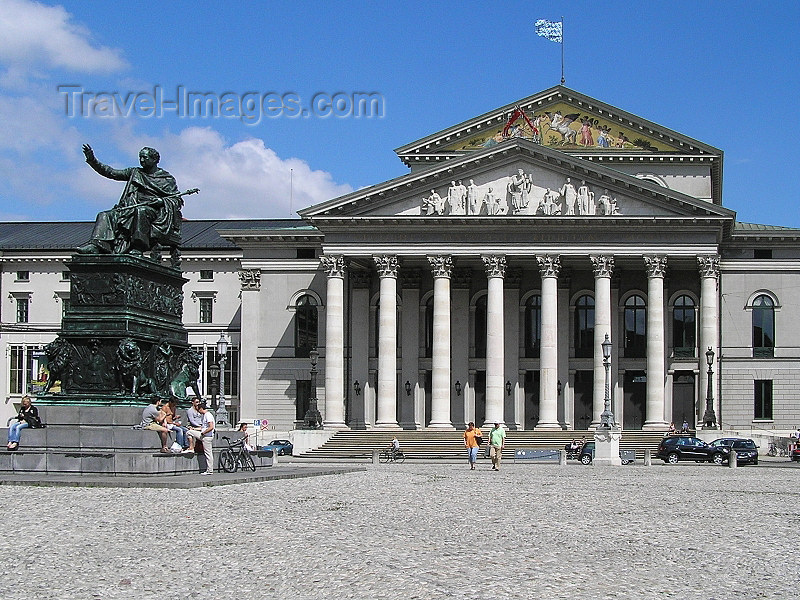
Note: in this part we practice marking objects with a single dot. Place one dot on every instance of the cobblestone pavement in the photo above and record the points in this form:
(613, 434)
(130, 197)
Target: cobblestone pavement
(415, 531)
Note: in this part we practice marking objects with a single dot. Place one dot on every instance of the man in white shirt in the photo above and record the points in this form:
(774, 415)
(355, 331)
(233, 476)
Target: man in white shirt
(204, 434)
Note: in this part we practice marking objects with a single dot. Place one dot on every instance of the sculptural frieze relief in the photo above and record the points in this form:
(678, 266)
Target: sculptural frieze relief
(99, 289)
(516, 194)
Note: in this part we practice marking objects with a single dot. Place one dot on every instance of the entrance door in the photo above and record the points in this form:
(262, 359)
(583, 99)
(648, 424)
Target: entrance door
(584, 384)
(634, 399)
(428, 387)
(480, 398)
(683, 398)
(531, 399)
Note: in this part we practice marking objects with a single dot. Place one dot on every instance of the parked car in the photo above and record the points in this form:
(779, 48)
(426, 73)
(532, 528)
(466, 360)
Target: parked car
(678, 447)
(587, 454)
(746, 450)
(795, 455)
(282, 447)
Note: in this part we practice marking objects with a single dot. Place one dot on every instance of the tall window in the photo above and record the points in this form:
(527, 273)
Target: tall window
(763, 326)
(22, 310)
(635, 326)
(302, 398)
(16, 370)
(231, 367)
(684, 327)
(480, 327)
(762, 393)
(306, 320)
(64, 307)
(584, 326)
(429, 328)
(533, 326)
(206, 310)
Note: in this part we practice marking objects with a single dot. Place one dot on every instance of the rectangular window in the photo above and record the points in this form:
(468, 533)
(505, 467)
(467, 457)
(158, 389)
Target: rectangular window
(231, 368)
(763, 399)
(22, 310)
(64, 307)
(15, 370)
(206, 274)
(64, 275)
(23, 276)
(206, 310)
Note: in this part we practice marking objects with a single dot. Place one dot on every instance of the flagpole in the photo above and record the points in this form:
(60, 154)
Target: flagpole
(562, 51)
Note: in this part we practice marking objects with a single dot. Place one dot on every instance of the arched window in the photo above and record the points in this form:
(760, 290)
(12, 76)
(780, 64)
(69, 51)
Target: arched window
(584, 326)
(306, 320)
(684, 327)
(763, 326)
(429, 328)
(635, 325)
(480, 327)
(533, 326)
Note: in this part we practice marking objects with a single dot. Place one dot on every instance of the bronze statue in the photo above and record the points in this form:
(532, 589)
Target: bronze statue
(148, 214)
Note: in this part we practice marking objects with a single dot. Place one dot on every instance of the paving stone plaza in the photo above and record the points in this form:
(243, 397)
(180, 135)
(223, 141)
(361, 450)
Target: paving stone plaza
(416, 531)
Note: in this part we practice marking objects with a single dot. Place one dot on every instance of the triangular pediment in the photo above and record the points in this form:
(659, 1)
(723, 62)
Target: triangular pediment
(516, 179)
(562, 119)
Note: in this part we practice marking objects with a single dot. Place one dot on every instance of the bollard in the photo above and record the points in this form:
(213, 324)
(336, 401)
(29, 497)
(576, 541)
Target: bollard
(274, 457)
(732, 459)
(648, 460)
(375, 454)
(562, 458)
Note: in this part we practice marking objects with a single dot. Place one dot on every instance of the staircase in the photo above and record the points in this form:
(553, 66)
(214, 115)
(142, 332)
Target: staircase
(423, 444)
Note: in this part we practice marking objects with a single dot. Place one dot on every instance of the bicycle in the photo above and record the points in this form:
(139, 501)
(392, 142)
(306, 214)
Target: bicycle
(775, 450)
(386, 456)
(235, 456)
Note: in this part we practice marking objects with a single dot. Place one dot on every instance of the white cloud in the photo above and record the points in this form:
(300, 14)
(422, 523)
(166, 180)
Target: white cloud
(240, 180)
(36, 34)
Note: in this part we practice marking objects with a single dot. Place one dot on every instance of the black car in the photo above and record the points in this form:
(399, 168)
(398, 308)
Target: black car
(746, 450)
(677, 448)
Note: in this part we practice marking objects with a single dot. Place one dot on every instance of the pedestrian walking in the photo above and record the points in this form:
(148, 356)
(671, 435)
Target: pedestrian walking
(473, 438)
(497, 441)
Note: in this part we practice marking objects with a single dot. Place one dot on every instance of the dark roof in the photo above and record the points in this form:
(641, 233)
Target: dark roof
(196, 235)
(740, 226)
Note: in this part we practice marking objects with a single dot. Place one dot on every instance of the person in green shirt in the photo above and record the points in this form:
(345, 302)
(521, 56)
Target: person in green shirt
(497, 441)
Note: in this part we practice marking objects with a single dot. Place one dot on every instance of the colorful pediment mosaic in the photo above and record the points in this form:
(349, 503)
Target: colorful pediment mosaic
(564, 127)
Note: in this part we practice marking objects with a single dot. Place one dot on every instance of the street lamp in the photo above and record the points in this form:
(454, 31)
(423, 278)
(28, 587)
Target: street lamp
(222, 351)
(458, 387)
(357, 387)
(709, 418)
(408, 388)
(508, 388)
(607, 417)
(313, 419)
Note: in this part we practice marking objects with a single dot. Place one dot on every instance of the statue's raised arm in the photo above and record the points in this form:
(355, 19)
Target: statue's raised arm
(148, 214)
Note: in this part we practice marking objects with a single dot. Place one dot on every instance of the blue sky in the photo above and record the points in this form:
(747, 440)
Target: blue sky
(725, 73)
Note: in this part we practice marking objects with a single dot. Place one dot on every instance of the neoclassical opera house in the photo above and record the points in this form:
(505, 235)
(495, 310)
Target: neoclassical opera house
(481, 285)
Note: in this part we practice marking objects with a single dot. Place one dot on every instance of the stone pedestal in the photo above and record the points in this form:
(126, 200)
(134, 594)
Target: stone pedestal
(606, 446)
(122, 336)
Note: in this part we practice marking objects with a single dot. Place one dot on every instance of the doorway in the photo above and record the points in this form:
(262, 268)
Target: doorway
(480, 398)
(583, 389)
(634, 397)
(683, 395)
(531, 399)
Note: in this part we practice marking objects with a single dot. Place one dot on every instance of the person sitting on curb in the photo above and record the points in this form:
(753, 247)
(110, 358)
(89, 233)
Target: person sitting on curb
(173, 422)
(204, 435)
(28, 416)
(153, 420)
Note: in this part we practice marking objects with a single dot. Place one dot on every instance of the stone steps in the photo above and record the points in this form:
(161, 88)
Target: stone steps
(450, 444)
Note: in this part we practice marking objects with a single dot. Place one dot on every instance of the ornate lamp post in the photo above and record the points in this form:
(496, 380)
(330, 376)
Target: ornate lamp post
(222, 352)
(313, 418)
(709, 418)
(607, 417)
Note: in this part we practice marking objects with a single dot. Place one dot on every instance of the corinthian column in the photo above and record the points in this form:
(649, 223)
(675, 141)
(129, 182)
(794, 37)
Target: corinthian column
(442, 267)
(603, 268)
(334, 267)
(656, 352)
(709, 325)
(549, 267)
(387, 342)
(495, 359)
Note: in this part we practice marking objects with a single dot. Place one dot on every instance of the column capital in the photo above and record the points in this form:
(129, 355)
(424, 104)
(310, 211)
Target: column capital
(708, 265)
(333, 264)
(549, 266)
(656, 265)
(603, 265)
(495, 265)
(250, 279)
(441, 265)
(387, 265)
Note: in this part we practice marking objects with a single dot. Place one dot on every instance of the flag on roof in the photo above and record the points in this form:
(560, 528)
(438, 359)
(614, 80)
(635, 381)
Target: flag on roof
(549, 29)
